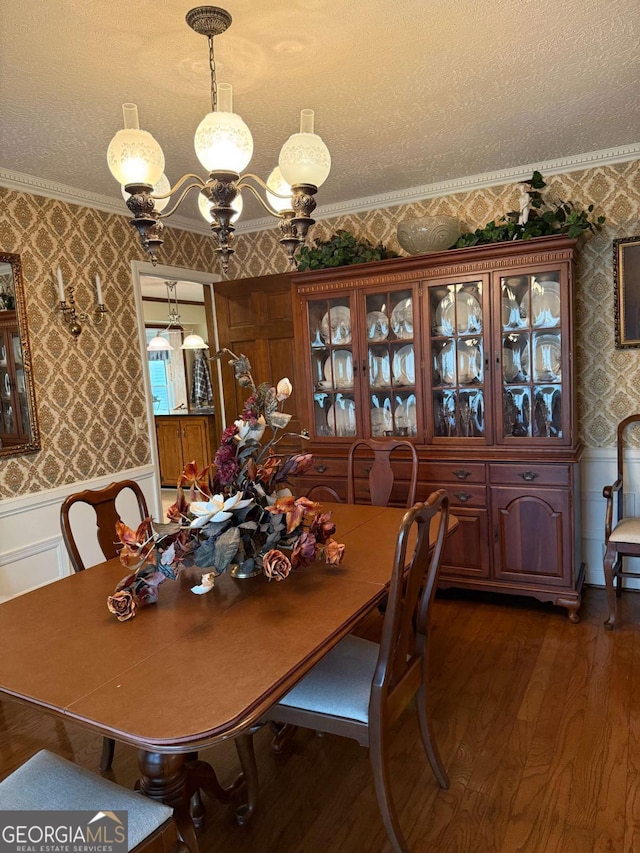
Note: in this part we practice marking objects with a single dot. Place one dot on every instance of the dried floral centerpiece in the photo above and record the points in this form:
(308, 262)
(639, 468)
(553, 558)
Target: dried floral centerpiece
(237, 515)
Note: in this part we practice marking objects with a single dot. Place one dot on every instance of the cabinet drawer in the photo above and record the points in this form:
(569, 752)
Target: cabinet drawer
(460, 494)
(328, 467)
(452, 472)
(524, 474)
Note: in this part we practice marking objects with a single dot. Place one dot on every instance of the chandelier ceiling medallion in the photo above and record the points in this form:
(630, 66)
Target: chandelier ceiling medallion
(224, 146)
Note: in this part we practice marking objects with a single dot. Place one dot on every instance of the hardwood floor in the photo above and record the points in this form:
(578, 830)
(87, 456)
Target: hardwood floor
(538, 722)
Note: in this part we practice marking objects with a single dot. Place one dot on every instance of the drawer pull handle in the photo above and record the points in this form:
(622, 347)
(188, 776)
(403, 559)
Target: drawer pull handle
(463, 496)
(461, 474)
(320, 468)
(367, 470)
(528, 475)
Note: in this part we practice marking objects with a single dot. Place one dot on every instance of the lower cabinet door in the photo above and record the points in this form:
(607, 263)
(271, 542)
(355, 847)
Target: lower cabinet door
(195, 441)
(466, 550)
(532, 536)
(168, 434)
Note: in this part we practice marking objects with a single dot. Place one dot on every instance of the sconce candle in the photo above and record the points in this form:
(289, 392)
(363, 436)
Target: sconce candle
(60, 286)
(99, 290)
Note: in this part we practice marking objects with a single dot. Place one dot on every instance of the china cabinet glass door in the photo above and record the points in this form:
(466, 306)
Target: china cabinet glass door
(532, 345)
(332, 366)
(391, 362)
(457, 347)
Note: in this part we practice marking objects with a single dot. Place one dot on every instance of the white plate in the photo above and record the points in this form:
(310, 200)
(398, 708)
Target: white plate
(468, 310)
(404, 372)
(7, 383)
(405, 416)
(377, 327)
(469, 364)
(545, 303)
(547, 358)
(379, 370)
(515, 363)
(345, 415)
(342, 369)
(381, 421)
(340, 320)
(510, 312)
(402, 319)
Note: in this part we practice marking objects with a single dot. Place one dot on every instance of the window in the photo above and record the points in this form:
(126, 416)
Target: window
(167, 373)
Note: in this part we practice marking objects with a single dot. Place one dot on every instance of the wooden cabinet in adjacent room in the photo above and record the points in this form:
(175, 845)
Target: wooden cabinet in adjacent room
(469, 354)
(182, 439)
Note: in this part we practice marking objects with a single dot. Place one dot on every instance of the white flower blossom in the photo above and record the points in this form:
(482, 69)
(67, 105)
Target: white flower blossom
(283, 389)
(217, 508)
(247, 431)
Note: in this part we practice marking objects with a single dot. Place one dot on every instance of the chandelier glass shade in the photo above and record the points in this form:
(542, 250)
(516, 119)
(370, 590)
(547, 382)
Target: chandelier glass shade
(224, 146)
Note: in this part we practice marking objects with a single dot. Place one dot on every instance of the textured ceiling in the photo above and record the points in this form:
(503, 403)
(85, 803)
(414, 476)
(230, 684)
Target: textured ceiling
(405, 94)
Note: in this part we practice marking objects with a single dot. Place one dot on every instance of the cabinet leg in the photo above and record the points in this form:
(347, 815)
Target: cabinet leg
(572, 605)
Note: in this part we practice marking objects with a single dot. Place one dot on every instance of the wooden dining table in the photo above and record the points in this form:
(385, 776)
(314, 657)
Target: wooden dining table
(191, 670)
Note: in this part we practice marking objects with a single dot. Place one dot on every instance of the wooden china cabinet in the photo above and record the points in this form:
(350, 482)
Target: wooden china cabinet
(469, 353)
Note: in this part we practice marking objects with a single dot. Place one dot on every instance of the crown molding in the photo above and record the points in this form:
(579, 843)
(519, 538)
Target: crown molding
(72, 195)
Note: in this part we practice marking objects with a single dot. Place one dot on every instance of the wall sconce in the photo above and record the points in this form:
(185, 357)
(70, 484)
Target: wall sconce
(74, 318)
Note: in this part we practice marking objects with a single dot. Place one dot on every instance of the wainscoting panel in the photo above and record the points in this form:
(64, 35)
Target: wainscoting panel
(32, 552)
(599, 466)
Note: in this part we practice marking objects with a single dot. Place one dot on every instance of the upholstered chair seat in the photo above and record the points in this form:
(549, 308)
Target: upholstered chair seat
(340, 684)
(47, 782)
(626, 530)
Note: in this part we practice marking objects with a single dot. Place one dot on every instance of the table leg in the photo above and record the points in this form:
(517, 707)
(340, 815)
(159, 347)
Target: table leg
(165, 777)
(177, 781)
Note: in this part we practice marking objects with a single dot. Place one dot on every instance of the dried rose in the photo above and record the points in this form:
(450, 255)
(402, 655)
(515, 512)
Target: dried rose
(276, 565)
(333, 553)
(122, 604)
(283, 389)
(304, 551)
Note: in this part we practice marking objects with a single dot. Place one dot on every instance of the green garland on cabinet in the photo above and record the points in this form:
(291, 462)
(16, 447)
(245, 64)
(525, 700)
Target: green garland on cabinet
(536, 218)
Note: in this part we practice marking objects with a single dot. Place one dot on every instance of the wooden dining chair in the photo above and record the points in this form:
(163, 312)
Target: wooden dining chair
(381, 476)
(47, 782)
(622, 536)
(360, 688)
(320, 492)
(103, 502)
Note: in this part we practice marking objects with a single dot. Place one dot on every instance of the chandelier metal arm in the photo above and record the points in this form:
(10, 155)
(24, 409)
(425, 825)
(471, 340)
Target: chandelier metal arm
(197, 183)
(242, 185)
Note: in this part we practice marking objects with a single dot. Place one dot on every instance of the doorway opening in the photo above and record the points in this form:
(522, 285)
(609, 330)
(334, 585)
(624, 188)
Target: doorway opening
(185, 411)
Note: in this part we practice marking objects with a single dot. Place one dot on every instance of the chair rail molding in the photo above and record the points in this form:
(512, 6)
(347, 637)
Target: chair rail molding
(32, 552)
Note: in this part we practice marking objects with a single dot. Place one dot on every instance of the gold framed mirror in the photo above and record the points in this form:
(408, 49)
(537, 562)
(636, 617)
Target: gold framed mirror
(18, 422)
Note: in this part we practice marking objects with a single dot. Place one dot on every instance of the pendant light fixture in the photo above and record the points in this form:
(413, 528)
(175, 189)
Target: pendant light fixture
(224, 146)
(160, 343)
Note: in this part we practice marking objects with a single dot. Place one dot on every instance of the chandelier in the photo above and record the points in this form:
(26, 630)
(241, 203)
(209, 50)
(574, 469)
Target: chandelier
(224, 146)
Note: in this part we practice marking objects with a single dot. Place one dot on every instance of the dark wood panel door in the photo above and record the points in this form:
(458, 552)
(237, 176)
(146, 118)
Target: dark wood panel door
(532, 535)
(255, 317)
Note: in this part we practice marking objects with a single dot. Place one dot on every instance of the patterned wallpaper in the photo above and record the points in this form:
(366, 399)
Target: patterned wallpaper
(88, 394)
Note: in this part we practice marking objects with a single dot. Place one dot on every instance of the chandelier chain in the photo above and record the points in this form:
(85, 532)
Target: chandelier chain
(212, 68)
